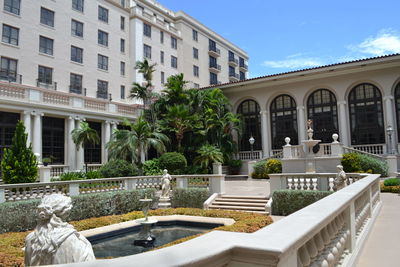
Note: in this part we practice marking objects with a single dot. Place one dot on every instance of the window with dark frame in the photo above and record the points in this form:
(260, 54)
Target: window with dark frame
(162, 77)
(174, 62)
(8, 122)
(78, 5)
(46, 45)
(8, 70)
(102, 89)
(174, 43)
(161, 37)
(242, 75)
(213, 78)
(195, 53)
(45, 75)
(147, 51)
(122, 23)
(76, 54)
(397, 107)
(147, 30)
(196, 71)
(122, 91)
(93, 151)
(103, 14)
(53, 135)
(251, 121)
(46, 17)
(122, 68)
(102, 62)
(75, 82)
(12, 6)
(122, 44)
(162, 57)
(76, 28)
(195, 35)
(10, 35)
(102, 38)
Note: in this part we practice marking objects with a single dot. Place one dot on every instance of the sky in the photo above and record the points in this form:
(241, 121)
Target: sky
(281, 36)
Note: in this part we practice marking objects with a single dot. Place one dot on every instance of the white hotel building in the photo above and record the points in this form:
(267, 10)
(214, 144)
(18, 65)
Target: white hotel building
(72, 60)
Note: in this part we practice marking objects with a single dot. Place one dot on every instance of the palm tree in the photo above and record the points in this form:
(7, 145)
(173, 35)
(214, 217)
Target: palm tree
(133, 144)
(208, 154)
(146, 69)
(141, 92)
(84, 135)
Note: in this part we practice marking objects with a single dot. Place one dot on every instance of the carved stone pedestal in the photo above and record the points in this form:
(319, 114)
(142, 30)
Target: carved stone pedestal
(164, 203)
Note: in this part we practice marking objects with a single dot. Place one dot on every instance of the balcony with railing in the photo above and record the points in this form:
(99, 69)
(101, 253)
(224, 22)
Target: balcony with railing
(233, 76)
(46, 84)
(10, 76)
(76, 89)
(233, 61)
(214, 51)
(102, 94)
(243, 67)
(214, 67)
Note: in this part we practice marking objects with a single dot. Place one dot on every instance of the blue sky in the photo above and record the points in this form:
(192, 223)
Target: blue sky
(287, 35)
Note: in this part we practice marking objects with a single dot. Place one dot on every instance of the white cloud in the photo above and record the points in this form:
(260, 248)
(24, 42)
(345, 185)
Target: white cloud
(294, 63)
(385, 42)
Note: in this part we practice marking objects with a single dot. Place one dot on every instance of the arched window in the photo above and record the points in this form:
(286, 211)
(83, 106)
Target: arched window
(366, 116)
(250, 111)
(322, 110)
(397, 101)
(283, 121)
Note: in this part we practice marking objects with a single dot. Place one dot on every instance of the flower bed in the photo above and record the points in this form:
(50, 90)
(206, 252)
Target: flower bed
(11, 253)
(390, 189)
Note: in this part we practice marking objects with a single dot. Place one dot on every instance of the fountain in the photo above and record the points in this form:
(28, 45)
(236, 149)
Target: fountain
(145, 239)
(309, 144)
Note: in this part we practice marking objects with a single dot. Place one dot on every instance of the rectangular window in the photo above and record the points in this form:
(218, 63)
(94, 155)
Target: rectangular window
(122, 68)
(146, 30)
(195, 71)
(76, 54)
(10, 35)
(102, 62)
(174, 43)
(93, 152)
(78, 5)
(12, 6)
(53, 139)
(213, 78)
(75, 83)
(45, 75)
(242, 75)
(122, 23)
(102, 38)
(46, 45)
(123, 3)
(162, 77)
(122, 91)
(195, 53)
(195, 35)
(47, 17)
(174, 62)
(147, 51)
(122, 46)
(213, 62)
(212, 45)
(162, 57)
(231, 71)
(161, 37)
(76, 28)
(103, 14)
(241, 62)
(102, 89)
(8, 70)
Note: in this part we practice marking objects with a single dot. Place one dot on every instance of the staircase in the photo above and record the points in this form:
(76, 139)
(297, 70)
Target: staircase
(240, 203)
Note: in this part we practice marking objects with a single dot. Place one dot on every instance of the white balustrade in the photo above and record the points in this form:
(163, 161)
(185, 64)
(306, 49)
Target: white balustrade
(57, 170)
(377, 149)
(10, 91)
(248, 155)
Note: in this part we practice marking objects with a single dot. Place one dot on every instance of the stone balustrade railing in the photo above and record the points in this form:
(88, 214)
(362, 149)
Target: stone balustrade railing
(331, 232)
(248, 155)
(377, 149)
(16, 192)
(32, 95)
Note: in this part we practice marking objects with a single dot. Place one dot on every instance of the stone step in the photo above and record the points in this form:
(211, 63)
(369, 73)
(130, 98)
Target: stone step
(247, 204)
(244, 197)
(240, 208)
(241, 200)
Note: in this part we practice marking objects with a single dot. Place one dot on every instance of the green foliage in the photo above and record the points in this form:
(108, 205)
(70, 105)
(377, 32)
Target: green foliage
(392, 182)
(235, 163)
(356, 162)
(84, 135)
(22, 216)
(189, 197)
(390, 188)
(152, 167)
(118, 168)
(208, 154)
(264, 167)
(195, 169)
(46, 160)
(69, 176)
(19, 164)
(174, 162)
(286, 202)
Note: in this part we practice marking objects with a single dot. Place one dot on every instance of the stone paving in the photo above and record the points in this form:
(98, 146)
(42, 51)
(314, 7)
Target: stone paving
(382, 247)
(249, 187)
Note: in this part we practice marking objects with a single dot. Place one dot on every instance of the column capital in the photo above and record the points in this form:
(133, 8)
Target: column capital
(342, 102)
(78, 118)
(388, 97)
(300, 107)
(37, 113)
(28, 112)
(107, 122)
(71, 118)
(263, 112)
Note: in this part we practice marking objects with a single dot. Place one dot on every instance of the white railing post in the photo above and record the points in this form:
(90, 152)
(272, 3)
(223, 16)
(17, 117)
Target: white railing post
(323, 183)
(217, 168)
(130, 184)
(74, 189)
(250, 167)
(350, 215)
(181, 182)
(392, 165)
(217, 184)
(336, 147)
(44, 174)
(2, 195)
(276, 182)
(287, 149)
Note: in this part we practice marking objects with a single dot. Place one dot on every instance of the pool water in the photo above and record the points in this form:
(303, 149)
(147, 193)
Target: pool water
(122, 244)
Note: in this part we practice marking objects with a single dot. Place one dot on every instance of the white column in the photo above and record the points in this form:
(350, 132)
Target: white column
(79, 153)
(390, 119)
(113, 126)
(264, 133)
(106, 139)
(343, 131)
(71, 147)
(37, 135)
(301, 124)
(27, 124)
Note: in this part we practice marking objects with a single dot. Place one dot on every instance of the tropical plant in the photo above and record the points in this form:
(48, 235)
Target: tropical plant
(146, 69)
(141, 92)
(208, 154)
(118, 168)
(19, 164)
(133, 143)
(152, 167)
(84, 135)
(174, 162)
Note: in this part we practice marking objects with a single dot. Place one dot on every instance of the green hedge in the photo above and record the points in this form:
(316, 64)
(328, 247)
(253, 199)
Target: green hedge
(189, 197)
(392, 182)
(118, 168)
(265, 167)
(174, 162)
(21, 215)
(285, 202)
(356, 162)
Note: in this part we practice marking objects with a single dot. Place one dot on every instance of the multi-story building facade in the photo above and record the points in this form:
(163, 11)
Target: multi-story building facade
(67, 61)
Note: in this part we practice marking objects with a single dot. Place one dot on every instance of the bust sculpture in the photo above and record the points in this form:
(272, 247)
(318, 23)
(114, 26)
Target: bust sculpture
(54, 241)
(340, 180)
(166, 184)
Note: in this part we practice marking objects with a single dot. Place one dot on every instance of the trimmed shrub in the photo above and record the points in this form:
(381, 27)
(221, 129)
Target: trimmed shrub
(356, 162)
(286, 202)
(390, 189)
(351, 162)
(274, 166)
(189, 197)
(93, 175)
(118, 168)
(21, 215)
(263, 168)
(152, 167)
(392, 182)
(174, 162)
(69, 176)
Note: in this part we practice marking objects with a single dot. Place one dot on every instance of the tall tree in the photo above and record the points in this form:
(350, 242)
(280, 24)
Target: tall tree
(84, 135)
(146, 69)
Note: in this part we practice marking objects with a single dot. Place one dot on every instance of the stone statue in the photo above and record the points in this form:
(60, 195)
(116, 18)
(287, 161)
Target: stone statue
(54, 241)
(340, 180)
(166, 187)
